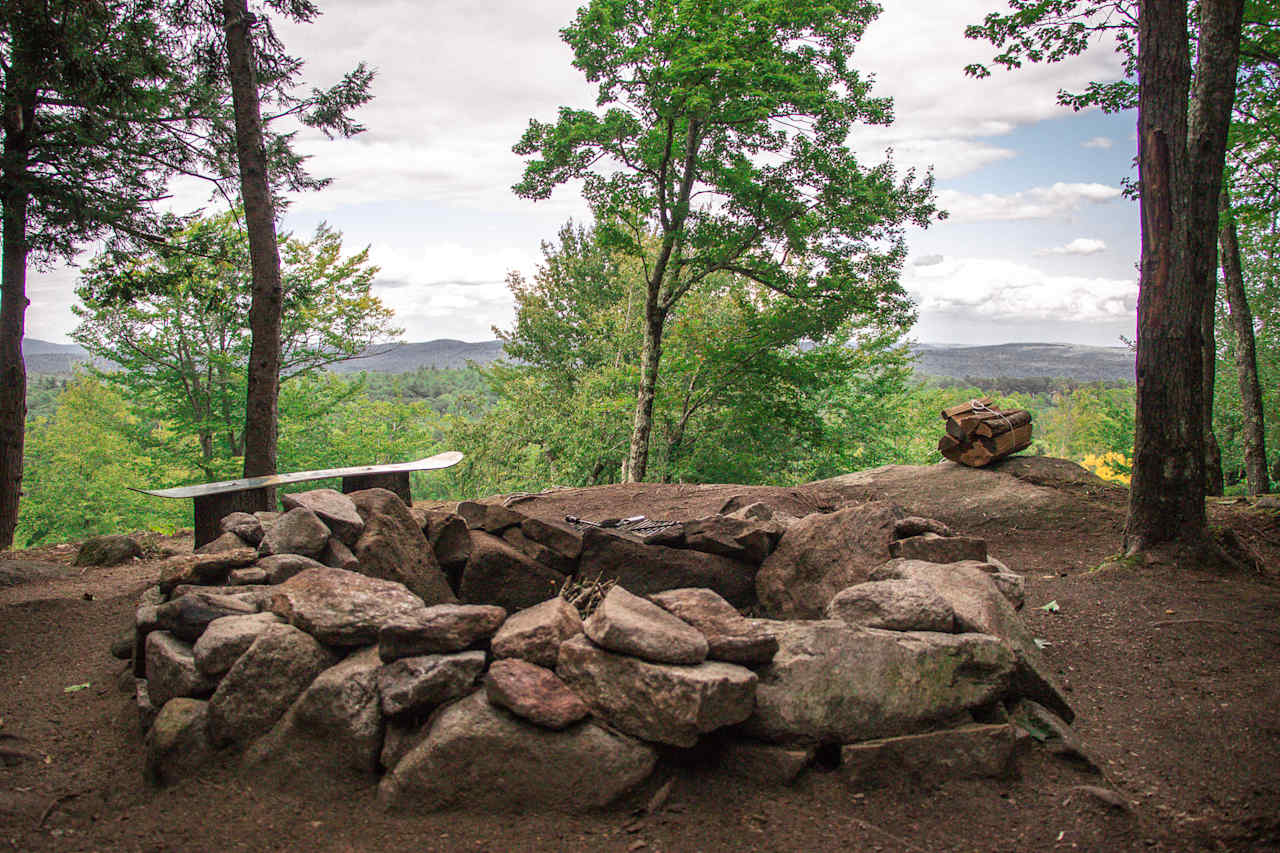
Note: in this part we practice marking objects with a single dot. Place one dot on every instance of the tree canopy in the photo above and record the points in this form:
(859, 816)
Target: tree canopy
(182, 345)
(719, 147)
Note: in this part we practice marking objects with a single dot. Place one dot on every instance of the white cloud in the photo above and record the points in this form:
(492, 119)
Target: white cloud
(1058, 200)
(1078, 246)
(1097, 142)
(997, 289)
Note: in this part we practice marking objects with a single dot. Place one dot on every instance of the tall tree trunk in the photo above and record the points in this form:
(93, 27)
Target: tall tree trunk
(18, 115)
(13, 371)
(1178, 214)
(1209, 362)
(260, 423)
(642, 426)
(1241, 318)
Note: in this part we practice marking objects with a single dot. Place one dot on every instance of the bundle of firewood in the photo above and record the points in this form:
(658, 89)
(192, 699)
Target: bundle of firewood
(978, 435)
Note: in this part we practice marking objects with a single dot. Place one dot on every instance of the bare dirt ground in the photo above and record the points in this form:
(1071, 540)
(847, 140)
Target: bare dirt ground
(1174, 673)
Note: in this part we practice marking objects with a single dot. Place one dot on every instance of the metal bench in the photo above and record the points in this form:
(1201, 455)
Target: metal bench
(212, 501)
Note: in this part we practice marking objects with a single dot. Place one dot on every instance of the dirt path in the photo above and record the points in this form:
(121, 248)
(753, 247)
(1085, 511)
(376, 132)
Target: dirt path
(1175, 675)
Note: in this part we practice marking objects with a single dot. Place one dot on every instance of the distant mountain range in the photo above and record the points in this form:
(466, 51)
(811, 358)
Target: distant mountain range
(1069, 361)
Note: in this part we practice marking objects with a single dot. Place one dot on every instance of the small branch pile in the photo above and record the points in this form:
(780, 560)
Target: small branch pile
(978, 435)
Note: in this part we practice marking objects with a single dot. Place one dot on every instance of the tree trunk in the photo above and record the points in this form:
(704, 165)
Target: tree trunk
(1178, 214)
(642, 426)
(13, 371)
(1209, 363)
(260, 422)
(19, 99)
(1241, 318)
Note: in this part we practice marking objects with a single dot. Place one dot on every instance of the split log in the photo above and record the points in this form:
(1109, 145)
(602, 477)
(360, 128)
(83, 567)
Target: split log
(962, 408)
(1002, 423)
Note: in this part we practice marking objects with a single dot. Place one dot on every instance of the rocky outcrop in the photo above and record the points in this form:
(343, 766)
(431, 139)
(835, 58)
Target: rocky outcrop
(820, 555)
(481, 757)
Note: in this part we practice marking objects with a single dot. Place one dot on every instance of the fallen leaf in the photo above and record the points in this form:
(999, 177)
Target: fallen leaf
(1051, 607)
(73, 688)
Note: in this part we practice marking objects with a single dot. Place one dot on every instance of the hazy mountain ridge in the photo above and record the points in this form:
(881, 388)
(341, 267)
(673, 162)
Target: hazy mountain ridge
(1070, 361)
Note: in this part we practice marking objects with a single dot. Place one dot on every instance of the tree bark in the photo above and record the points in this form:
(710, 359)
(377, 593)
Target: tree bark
(260, 427)
(1178, 214)
(642, 425)
(1209, 363)
(18, 117)
(1241, 319)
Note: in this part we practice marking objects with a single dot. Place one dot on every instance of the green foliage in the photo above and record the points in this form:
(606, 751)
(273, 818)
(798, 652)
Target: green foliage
(80, 461)
(173, 319)
(719, 149)
(752, 389)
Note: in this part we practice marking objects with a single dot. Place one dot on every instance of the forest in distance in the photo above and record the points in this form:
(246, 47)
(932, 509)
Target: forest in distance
(87, 444)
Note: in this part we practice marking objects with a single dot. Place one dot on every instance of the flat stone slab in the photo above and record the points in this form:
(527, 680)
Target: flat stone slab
(342, 608)
(442, 628)
(906, 604)
(730, 636)
(336, 510)
(932, 757)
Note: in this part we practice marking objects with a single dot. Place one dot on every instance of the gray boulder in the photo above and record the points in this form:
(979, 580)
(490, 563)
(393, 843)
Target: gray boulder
(630, 625)
(981, 607)
(224, 543)
(533, 693)
(657, 702)
(535, 634)
(930, 758)
(481, 757)
(247, 527)
(251, 576)
(830, 683)
(281, 567)
(341, 608)
(730, 636)
(895, 605)
(187, 616)
(177, 745)
(498, 574)
(418, 684)
(298, 531)
(393, 547)
(332, 732)
(336, 510)
(939, 549)
(749, 540)
(171, 670)
(227, 638)
(107, 551)
(443, 628)
(820, 555)
(263, 683)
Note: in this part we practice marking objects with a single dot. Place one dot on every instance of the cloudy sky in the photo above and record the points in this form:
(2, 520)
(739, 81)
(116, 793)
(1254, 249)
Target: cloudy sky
(1039, 245)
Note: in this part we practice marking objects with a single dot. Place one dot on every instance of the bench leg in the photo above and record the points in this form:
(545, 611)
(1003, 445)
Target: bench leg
(396, 482)
(210, 509)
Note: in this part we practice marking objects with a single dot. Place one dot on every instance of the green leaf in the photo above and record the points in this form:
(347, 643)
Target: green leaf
(75, 688)
(1051, 607)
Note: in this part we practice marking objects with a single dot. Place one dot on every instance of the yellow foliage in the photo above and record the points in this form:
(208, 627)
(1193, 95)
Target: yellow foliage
(1110, 466)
